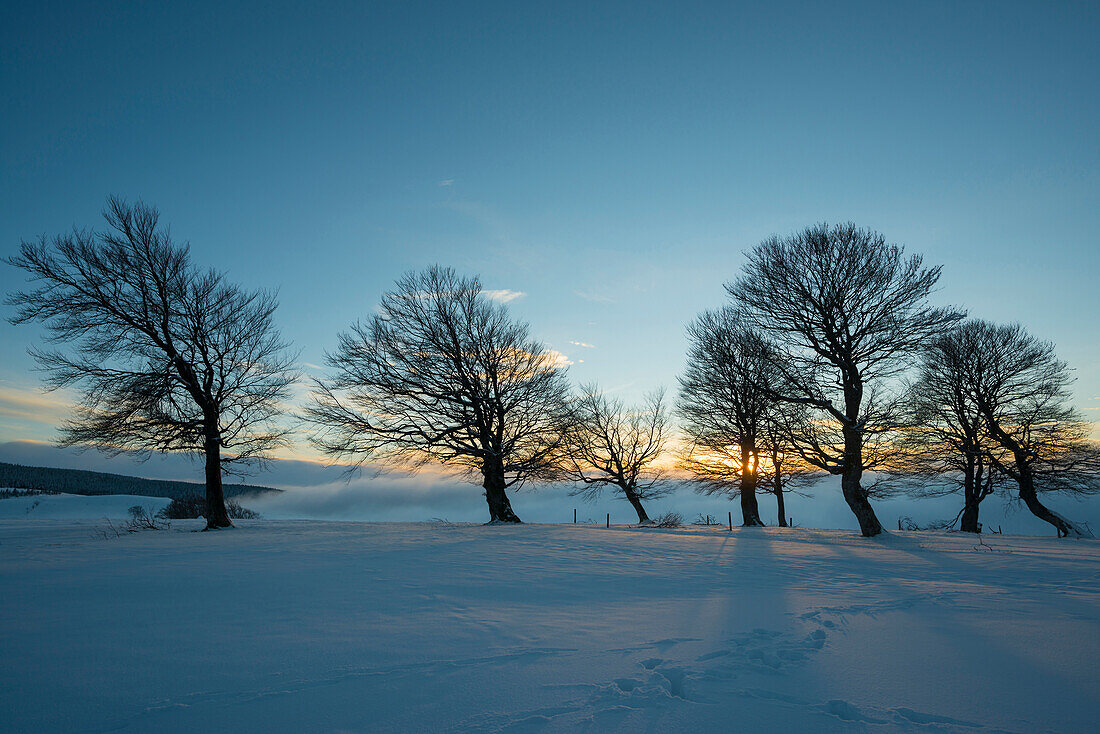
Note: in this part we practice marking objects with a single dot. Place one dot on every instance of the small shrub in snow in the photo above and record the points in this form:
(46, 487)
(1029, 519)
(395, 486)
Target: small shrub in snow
(140, 519)
(191, 506)
(108, 532)
(185, 507)
(702, 519)
(670, 520)
(236, 512)
(906, 523)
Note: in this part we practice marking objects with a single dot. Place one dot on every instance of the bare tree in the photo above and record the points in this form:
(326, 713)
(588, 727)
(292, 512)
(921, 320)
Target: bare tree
(612, 445)
(1020, 389)
(784, 470)
(166, 357)
(443, 374)
(846, 310)
(946, 438)
(724, 405)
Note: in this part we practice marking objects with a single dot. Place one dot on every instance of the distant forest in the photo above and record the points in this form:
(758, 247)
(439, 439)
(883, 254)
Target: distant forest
(76, 481)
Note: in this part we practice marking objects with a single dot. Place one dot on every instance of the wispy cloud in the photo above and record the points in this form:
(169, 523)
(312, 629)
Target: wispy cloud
(582, 344)
(560, 360)
(595, 296)
(447, 182)
(34, 404)
(504, 295)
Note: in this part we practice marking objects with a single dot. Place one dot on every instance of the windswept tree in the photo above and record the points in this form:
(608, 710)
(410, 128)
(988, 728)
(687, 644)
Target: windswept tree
(723, 406)
(945, 443)
(1020, 389)
(846, 311)
(165, 356)
(612, 445)
(443, 374)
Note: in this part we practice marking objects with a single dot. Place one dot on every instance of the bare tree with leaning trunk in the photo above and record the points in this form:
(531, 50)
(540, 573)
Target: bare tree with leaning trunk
(441, 373)
(166, 357)
(1020, 389)
(612, 445)
(846, 310)
(946, 436)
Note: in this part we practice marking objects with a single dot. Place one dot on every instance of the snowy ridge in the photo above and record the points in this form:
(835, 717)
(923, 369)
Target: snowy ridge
(77, 506)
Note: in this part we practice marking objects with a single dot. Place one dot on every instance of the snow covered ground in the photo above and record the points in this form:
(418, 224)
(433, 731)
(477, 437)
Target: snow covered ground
(334, 626)
(69, 506)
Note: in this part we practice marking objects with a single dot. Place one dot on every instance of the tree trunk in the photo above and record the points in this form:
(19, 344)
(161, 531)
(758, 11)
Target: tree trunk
(968, 523)
(780, 504)
(500, 509)
(1030, 497)
(750, 509)
(636, 503)
(850, 484)
(1026, 481)
(216, 514)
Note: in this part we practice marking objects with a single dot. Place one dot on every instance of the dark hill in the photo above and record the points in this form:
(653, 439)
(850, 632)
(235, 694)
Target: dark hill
(78, 481)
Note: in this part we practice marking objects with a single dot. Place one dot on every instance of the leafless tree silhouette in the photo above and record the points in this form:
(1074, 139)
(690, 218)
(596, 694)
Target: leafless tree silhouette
(166, 357)
(846, 311)
(1020, 389)
(723, 405)
(441, 373)
(785, 471)
(945, 437)
(613, 445)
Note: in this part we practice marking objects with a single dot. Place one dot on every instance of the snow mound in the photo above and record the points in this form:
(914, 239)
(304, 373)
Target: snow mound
(76, 506)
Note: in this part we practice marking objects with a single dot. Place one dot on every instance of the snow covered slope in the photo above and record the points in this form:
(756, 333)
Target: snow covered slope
(68, 506)
(300, 626)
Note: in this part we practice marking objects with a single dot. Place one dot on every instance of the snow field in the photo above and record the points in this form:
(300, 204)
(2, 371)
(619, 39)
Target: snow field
(330, 626)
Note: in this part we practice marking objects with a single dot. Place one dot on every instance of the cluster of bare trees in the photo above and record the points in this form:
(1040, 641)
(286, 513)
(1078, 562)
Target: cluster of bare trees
(822, 329)
(990, 408)
(806, 372)
(442, 373)
(736, 430)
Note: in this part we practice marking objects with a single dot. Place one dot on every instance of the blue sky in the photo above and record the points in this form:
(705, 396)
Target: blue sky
(611, 162)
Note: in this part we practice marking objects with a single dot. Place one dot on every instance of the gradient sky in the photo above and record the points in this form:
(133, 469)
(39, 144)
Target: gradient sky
(611, 163)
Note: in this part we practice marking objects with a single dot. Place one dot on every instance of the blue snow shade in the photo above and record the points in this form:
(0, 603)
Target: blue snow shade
(326, 626)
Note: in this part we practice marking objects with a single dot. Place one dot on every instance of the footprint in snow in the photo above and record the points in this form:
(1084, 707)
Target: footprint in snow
(847, 712)
(713, 655)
